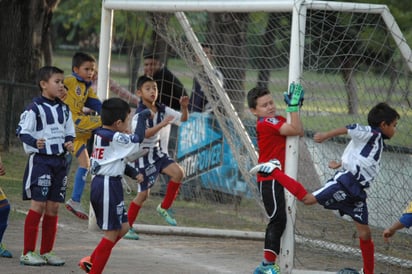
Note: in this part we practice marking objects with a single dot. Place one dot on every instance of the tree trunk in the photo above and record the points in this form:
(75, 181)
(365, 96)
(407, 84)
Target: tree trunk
(46, 44)
(230, 29)
(21, 29)
(351, 90)
(268, 49)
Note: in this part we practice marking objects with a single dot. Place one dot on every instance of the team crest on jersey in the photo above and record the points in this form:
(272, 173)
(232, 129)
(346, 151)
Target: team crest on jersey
(122, 139)
(272, 120)
(78, 90)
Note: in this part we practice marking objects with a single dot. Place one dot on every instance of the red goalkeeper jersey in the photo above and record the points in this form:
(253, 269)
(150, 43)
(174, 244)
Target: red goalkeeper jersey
(271, 143)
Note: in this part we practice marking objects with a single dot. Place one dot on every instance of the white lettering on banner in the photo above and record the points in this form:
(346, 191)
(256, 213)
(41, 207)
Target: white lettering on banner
(204, 160)
(192, 133)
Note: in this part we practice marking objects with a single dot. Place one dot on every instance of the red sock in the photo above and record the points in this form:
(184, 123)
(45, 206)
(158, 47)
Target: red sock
(31, 228)
(368, 253)
(171, 192)
(48, 235)
(290, 184)
(269, 256)
(101, 256)
(133, 212)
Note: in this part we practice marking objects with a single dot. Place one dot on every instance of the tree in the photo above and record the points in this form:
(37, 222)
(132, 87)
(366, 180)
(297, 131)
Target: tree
(229, 28)
(24, 28)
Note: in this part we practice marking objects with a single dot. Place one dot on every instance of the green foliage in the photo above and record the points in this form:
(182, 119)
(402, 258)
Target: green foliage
(401, 11)
(77, 20)
(78, 23)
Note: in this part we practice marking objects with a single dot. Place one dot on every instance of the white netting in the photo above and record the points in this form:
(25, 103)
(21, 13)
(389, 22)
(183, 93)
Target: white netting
(350, 62)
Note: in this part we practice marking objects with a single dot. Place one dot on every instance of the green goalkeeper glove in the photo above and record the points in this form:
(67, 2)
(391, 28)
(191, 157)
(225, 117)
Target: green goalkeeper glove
(294, 97)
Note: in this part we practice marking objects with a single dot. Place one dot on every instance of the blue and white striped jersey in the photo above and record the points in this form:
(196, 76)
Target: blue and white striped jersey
(47, 119)
(110, 151)
(362, 155)
(162, 111)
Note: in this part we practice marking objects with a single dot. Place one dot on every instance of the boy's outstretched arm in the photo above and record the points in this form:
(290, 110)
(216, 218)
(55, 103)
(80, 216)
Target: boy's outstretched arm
(389, 232)
(320, 137)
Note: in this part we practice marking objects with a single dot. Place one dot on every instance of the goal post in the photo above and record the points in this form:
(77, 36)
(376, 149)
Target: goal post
(292, 142)
(347, 56)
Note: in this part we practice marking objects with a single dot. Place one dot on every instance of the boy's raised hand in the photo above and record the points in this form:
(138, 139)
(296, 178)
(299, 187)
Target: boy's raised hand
(294, 97)
(184, 101)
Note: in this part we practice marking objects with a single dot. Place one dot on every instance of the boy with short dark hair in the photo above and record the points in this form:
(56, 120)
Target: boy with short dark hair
(112, 146)
(360, 163)
(80, 94)
(272, 130)
(47, 131)
(156, 161)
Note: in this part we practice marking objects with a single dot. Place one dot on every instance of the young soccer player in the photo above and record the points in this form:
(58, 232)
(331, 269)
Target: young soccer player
(79, 95)
(345, 192)
(4, 216)
(47, 131)
(112, 146)
(404, 221)
(272, 130)
(156, 161)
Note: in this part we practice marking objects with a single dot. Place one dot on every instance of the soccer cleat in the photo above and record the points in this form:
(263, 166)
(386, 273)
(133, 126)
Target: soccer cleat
(32, 258)
(86, 264)
(77, 209)
(4, 252)
(131, 235)
(52, 259)
(166, 215)
(267, 269)
(265, 169)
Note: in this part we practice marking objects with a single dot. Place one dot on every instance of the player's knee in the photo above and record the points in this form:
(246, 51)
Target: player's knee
(141, 197)
(177, 173)
(365, 233)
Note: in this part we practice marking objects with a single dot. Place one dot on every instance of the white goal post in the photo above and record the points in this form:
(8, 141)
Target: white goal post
(296, 62)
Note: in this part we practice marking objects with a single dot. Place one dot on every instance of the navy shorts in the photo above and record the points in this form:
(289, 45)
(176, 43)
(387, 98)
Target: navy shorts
(151, 165)
(106, 197)
(334, 195)
(45, 178)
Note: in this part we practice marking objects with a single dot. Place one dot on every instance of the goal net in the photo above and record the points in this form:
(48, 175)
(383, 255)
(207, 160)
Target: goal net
(347, 56)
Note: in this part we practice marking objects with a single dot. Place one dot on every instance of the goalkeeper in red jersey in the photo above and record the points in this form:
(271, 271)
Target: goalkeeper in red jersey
(272, 130)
